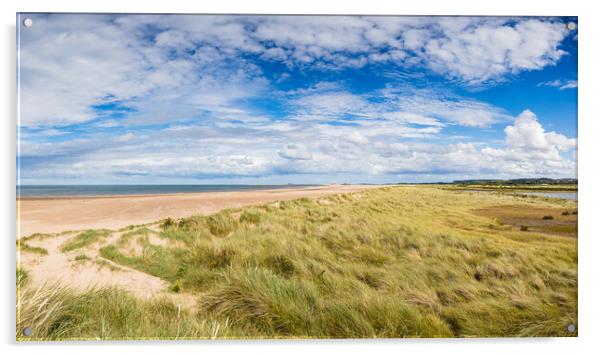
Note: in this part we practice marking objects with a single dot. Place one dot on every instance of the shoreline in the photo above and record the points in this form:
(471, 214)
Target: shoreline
(116, 196)
(247, 188)
(59, 214)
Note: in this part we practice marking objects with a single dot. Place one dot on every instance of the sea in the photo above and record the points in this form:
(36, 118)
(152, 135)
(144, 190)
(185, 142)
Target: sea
(33, 191)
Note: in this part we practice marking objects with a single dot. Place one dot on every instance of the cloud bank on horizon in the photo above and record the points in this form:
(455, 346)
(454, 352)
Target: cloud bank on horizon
(295, 99)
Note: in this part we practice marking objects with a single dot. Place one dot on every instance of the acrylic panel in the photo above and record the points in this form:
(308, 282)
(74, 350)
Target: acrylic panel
(277, 177)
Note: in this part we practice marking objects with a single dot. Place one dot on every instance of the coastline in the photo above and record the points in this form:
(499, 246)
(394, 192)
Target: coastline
(111, 191)
(63, 213)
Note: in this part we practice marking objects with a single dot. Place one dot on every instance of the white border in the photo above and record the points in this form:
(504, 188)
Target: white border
(590, 116)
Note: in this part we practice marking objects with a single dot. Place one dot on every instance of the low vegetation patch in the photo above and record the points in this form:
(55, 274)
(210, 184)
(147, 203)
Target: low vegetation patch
(538, 218)
(221, 224)
(24, 247)
(81, 258)
(84, 239)
(22, 277)
(104, 263)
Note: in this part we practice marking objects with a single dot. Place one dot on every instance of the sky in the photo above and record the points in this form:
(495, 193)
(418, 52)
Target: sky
(208, 99)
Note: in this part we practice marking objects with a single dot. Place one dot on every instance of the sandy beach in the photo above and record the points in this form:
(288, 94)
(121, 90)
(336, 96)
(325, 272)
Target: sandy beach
(51, 215)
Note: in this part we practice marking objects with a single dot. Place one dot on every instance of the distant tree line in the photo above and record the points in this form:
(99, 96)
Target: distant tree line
(518, 181)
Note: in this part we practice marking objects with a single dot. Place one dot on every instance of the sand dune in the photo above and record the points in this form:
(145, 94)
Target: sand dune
(50, 215)
(96, 272)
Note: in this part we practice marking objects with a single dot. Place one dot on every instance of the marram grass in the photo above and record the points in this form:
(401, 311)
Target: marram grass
(389, 262)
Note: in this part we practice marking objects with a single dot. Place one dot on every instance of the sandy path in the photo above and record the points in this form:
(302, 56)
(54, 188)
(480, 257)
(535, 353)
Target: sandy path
(79, 213)
(61, 267)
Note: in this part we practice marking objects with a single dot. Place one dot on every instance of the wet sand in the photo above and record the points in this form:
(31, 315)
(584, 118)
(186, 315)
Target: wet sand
(51, 215)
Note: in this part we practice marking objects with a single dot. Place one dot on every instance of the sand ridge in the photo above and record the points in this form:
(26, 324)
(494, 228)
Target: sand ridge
(53, 215)
(96, 272)
(57, 216)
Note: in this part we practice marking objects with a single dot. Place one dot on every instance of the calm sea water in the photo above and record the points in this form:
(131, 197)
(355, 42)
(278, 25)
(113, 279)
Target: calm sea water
(103, 190)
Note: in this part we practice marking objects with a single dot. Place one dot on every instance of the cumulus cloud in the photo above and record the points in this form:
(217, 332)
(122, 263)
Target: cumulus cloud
(483, 51)
(262, 153)
(111, 96)
(530, 149)
(472, 49)
(528, 135)
(69, 63)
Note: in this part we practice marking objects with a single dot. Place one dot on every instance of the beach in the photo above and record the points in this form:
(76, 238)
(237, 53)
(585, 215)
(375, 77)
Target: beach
(412, 255)
(58, 214)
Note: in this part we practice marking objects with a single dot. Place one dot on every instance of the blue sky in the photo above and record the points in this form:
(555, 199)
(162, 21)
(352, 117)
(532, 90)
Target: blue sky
(295, 99)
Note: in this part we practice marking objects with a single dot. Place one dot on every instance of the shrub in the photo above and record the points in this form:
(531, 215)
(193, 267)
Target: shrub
(524, 228)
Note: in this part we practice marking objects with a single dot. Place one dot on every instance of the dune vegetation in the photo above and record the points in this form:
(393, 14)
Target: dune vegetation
(406, 261)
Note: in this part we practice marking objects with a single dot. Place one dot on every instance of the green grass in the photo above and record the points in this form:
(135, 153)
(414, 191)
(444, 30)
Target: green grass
(104, 263)
(84, 239)
(36, 236)
(390, 262)
(22, 276)
(126, 237)
(54, 312)
(24, 247)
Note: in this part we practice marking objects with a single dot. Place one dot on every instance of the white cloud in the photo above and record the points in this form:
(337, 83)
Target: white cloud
(402, 106)
(370, 151)
(474, 50)
(532, 150)
(528, 137)
(561, 84)
(295, 152)
(64, 72)
(193, 67)
(485, 51)
(450, 108)
(70, 63)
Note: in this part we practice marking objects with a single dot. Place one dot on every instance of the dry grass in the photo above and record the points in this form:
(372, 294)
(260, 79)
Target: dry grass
(392, 262)
(56, 312)
(547, 219)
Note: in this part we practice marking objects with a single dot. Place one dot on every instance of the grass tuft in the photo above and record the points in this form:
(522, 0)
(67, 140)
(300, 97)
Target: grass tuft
(24, 247)
(55, 312)
(221, 224)
(84, 239)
